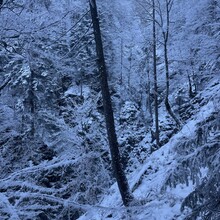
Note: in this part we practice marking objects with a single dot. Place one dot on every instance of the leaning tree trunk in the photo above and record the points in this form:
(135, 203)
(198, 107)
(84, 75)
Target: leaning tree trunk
(108, 112)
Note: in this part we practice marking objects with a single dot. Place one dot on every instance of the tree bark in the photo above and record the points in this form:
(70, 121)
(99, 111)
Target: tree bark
(167, 102)
(149, 100)
(166, 60)
(157, 135)
(108, 112)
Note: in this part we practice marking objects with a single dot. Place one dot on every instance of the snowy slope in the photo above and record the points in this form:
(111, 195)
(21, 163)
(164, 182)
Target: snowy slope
(65, 172)
(147, 182)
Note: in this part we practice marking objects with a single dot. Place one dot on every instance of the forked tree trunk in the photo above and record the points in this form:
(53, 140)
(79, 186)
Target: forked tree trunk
(166, 60)
(109, 118)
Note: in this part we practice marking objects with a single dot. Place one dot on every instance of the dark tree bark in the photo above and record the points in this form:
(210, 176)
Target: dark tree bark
(108, 112)
(157, 135)
(149, 99)
(166, 37)
(167, 102)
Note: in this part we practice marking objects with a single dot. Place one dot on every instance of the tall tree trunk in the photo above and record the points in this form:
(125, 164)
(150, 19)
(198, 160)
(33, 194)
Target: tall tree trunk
(121, 77)
(149, 101)
(109, 118)
(167, 102)
(166, 60)
(157, 135)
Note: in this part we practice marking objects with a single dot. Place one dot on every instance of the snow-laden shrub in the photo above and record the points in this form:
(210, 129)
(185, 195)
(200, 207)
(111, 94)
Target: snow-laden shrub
(198, 161)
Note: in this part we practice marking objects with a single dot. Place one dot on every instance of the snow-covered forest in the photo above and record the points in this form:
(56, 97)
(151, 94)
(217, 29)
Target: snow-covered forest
(163, 68)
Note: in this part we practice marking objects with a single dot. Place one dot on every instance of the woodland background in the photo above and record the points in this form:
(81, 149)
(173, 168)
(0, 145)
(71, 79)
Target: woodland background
(54, 155)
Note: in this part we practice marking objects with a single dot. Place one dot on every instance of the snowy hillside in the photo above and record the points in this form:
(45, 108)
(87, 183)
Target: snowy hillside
(159, 184)
(54, 151)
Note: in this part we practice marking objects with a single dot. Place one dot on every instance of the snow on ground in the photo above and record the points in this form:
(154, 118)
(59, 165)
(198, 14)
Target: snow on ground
(147, 181)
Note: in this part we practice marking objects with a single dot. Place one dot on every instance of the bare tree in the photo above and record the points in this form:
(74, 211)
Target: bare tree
(160, 17)
(157, 135)
(165, 22)
(151, 13)
(119, 173)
